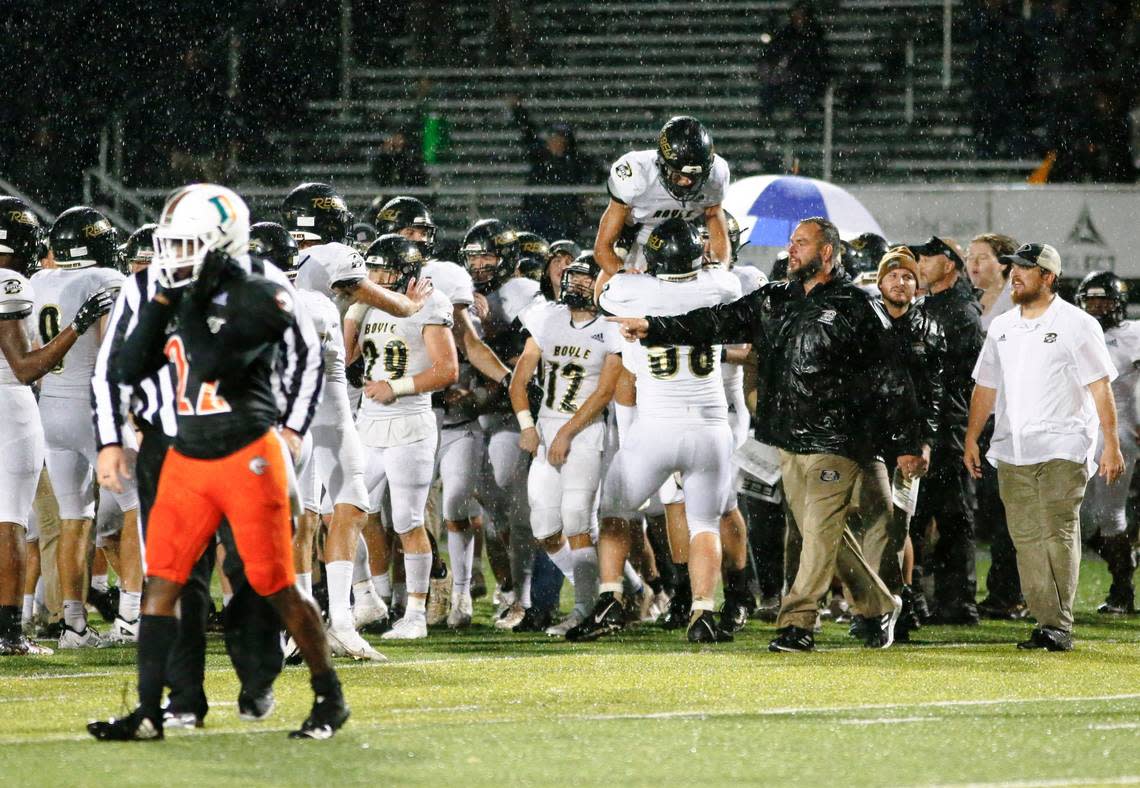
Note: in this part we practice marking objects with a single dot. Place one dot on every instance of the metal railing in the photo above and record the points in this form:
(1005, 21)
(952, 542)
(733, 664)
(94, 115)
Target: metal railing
(10, 189)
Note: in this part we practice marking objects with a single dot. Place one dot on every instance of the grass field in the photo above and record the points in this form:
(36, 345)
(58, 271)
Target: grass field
(957, 706)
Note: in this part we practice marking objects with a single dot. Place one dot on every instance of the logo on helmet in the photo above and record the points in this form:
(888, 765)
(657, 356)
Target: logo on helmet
(507, 237)
(655, 242)
(329, 204)
(21, 217)
(666, 149)
(96, 229)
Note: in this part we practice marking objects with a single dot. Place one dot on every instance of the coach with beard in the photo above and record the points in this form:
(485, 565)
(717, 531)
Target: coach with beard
(1046, 368)
(833, 392)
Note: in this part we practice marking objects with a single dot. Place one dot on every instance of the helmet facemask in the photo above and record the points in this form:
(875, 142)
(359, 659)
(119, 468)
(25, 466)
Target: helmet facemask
(178, 258)
(578, 289)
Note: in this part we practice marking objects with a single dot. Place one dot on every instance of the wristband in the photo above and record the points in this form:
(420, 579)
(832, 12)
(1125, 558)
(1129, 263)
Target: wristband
(526, 421)
(402, 387)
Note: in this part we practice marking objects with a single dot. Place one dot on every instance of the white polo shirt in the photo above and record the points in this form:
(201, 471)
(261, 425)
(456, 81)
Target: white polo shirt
(1041, 369)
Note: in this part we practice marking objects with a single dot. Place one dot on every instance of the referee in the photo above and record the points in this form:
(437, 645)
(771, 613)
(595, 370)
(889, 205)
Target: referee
(252, 628)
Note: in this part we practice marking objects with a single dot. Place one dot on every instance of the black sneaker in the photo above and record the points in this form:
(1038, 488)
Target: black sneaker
(1114, 607)
(106, 602)
(1036, 640)
(858, 627)
(534, 620)
(733, 616)
(134, 727)
(703, 628)
(254, 707)
(1055, 639)
(329, 713)
(605, 619)
(1000, 610)
(792, 639)
(677, 615)
(881, 629)
(921, 607)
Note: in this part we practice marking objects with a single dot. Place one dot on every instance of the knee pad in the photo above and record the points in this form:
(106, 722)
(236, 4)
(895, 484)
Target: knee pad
(545, 522)
(703, 527)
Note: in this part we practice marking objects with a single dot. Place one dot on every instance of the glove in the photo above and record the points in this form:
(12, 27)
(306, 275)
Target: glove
(347, 271)
(93, 308)
(354, 372)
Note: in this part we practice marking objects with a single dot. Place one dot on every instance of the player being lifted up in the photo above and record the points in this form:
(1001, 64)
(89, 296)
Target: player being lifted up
(579, 356)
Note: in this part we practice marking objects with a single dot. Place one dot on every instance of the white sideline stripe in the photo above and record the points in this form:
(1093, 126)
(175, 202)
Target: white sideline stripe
(889, 720)
(1131, 779)
(1114, 726)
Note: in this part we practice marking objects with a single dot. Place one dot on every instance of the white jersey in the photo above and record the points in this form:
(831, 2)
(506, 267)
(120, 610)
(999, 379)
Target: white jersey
(1123, 343)
(451, 279)
(326, 320)
(59, 294)
(635, 180)
(315, 266)
(394, 349)
(751, 278)
(510, 300)
(17, 299)
(673, 381)
(572, 357)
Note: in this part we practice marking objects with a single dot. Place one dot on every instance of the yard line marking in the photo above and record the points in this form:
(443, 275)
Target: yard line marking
(889, 720)
(1131, 779)
(1114, 726)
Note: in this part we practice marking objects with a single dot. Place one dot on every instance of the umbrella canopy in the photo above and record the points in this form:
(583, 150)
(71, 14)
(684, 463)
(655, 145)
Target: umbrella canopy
(768, 207)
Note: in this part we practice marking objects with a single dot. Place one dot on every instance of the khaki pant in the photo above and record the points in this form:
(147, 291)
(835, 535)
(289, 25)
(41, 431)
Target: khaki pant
(1042, 506)
(48, 522)
(820, 489)
(883, 527)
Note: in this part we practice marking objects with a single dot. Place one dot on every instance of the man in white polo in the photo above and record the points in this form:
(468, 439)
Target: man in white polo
(1046, 366)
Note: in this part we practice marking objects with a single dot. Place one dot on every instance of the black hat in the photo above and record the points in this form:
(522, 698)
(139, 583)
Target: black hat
(936, 246)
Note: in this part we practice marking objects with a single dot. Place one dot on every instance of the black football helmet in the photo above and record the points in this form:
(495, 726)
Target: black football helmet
(684, 149)
(1104, 284)
(862, 253)
(580, 297)
(139, 248)
(21, 235)
(362, 234)
(82, 237)
(401, 212)
(316, 212)
(392, 252)
(674, 250)
(276, 244)
(490, 237)
(534, 254)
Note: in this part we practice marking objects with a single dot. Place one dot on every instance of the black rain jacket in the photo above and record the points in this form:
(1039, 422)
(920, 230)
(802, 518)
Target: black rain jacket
(925, 344)
(958, 312)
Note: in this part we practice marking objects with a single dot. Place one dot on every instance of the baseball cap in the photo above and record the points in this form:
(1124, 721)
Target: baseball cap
(1042, 256)
(899, 257)
(936, 246)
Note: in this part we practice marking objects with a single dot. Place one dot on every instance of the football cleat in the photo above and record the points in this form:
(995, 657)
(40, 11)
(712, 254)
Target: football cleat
(858, 627)
(703, 628)
(461, 613)
(368, 609)
(647, 610)
(560, 629)
(733, 616)
(123, 631)
(769, 608)
(329, 713)
(533, 620)
(880, 630)
(254, 707)
(791, 639)
(106, 603)
(134, 727)
(181, 719)
(677, 615)
(511, 617)
(349, 643)
(88, 638)
(1112, 607)
(407, 629)
(478, 582)
(20, 645)
(605, 619)
(439, 600)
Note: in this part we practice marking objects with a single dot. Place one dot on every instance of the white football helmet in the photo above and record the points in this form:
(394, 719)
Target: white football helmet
(195, 220)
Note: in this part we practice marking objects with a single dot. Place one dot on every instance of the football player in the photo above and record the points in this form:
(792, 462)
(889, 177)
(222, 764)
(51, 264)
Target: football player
(562, 253)
(580, 360)
(682, 178)
(220, 327)
(681, 427)
(138, 251)
(405, 360)
(335, 462)
(86, 253)
(22, 447)
(1104, 295)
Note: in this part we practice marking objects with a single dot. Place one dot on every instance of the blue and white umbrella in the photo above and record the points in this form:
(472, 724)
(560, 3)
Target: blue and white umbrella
(768, 207)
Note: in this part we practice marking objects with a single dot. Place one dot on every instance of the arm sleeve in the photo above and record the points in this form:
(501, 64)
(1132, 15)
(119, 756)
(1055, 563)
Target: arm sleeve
(141, 352)
(729, 323)
(106, 396)
(934, 390)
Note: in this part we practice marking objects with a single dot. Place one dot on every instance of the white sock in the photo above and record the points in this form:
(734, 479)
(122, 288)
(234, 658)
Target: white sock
(461, 550)
(585, 577)
(417, 573)
(399, 595)
(632, 577)
(29, 607)
(522, 564)
(74, 614)
(417, 606)
(383, 585)
(305, 583)
(129, 602)
(41, 600)
(563, 560)
(339, 578)
(99, 583)
(226, 600)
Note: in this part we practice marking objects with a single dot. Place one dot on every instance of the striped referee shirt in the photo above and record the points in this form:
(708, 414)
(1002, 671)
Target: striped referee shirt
(299, 366)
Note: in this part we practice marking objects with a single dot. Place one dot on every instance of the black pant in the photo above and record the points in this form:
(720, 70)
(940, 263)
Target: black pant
(1003, 583)
(945, 495)
(252, 627)
(766, 538)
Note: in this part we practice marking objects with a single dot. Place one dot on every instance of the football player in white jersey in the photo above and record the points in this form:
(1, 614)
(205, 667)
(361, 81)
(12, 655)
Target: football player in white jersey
(22, 445)
(406, 359)
(681, 427)
(335, 461)
(1104, 295)
(682, 178)
(579, 356)
(86, 254)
